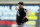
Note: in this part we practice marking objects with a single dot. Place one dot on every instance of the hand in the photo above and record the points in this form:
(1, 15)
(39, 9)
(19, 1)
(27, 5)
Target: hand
(25, 17)
(16, 8)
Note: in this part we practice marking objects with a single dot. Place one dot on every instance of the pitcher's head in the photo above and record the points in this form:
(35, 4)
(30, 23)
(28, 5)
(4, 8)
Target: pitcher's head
(20, 4)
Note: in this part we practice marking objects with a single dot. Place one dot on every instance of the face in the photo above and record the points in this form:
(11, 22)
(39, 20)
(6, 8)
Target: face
(20, 6)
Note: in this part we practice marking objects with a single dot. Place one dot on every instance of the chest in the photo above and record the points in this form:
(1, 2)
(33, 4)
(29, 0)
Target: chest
(21, 12)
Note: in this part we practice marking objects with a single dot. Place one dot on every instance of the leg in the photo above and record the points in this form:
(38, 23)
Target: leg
(18, 25)
(24, 25)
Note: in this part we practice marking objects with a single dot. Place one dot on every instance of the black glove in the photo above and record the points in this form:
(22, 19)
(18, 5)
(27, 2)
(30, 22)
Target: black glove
(24, 20)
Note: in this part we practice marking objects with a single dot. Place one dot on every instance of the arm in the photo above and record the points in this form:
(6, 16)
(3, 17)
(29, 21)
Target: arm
(27, 13)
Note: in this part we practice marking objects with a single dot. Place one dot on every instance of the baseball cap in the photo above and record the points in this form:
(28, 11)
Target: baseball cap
(21, 3)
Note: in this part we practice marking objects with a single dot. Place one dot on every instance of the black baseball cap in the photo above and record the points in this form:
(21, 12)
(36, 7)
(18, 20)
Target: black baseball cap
(21, 3)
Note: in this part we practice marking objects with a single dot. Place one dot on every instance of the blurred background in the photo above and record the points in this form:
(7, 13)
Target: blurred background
(8, 12)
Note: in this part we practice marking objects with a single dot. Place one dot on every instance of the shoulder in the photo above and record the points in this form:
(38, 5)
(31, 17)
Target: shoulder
(26, 10)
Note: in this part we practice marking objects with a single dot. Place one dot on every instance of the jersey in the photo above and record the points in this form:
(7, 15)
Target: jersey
(20, 15)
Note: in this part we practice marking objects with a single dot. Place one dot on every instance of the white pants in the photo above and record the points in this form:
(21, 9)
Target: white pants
(22, 25)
